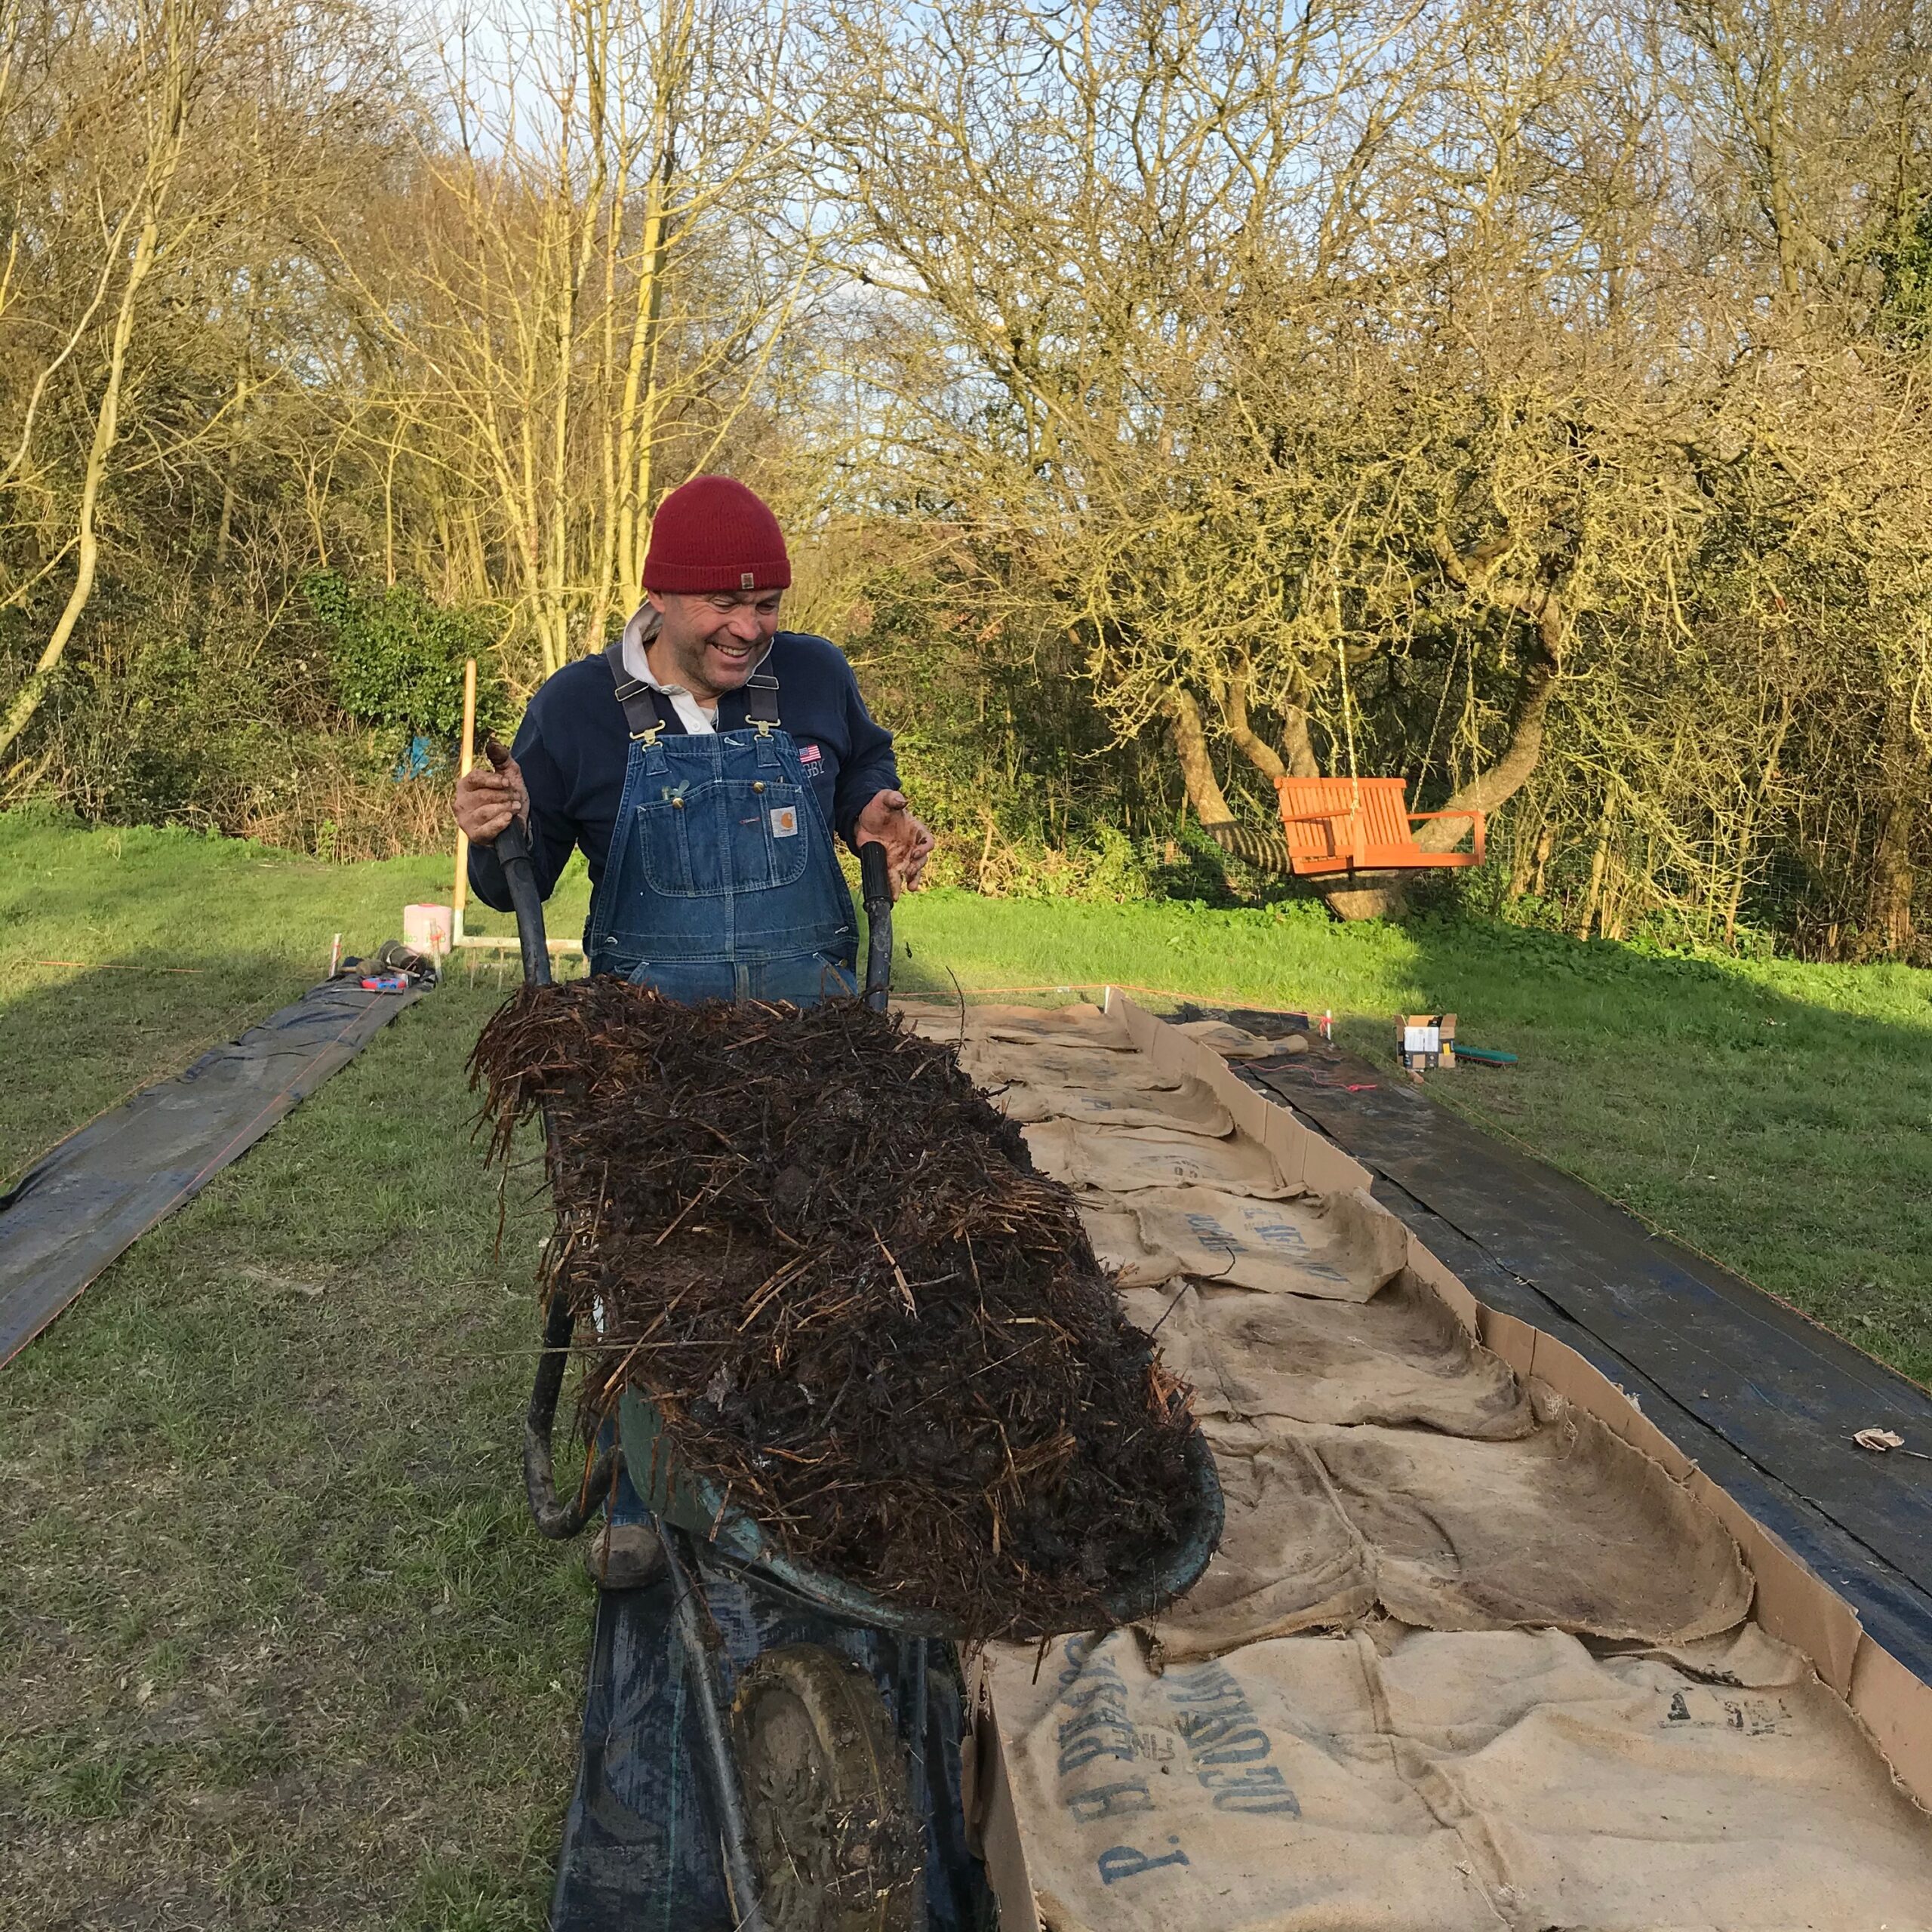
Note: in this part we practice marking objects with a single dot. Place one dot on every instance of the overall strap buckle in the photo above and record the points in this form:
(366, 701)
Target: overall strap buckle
(761, 702)
(642, 717)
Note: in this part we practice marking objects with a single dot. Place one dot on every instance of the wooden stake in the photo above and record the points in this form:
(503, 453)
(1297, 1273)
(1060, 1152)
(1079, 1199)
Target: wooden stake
(460, 892)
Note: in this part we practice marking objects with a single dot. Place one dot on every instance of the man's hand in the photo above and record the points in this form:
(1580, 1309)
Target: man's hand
(489, 796)
(908, 844)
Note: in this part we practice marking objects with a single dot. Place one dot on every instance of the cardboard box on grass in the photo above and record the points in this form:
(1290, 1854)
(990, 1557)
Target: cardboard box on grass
(1426, 1040)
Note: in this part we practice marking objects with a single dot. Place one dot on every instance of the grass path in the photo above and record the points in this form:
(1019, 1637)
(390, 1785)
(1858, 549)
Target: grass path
(278, 1649)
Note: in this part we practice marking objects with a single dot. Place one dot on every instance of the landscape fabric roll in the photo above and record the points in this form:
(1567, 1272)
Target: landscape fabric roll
(823, 1257)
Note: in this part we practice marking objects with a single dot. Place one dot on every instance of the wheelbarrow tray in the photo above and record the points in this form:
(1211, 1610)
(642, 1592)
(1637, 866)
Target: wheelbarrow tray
(695, 1503)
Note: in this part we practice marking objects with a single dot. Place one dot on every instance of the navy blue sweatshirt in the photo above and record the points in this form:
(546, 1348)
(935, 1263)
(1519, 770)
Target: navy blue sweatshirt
(573, 745)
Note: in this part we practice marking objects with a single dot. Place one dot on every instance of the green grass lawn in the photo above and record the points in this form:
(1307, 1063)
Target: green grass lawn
(279, 1650)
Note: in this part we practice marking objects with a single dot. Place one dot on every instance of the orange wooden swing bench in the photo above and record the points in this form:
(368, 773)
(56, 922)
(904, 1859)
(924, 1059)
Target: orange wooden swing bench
(1346, 824)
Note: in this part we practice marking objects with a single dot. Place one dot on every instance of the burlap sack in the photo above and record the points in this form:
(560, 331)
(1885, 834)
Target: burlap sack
(1130, 1159)
(1191, 1108)
(1078, 1025)
(1427, 1782)
(1569, 1527)
(1630, 1794)
(1401, 1357)
(1403, 1778)
(1289, 1559)
(1342, 1247)
(1219, 1797)
(1237, 1043)
(997, 1062)
(1116, 1235)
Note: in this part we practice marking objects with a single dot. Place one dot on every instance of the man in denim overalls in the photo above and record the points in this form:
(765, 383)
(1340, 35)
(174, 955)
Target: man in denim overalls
(702, 764)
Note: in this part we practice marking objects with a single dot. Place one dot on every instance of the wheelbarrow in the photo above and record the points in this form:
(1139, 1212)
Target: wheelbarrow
(832, 1841)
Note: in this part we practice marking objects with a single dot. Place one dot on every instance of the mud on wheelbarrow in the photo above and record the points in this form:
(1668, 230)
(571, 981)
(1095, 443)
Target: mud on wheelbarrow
(819, 1810)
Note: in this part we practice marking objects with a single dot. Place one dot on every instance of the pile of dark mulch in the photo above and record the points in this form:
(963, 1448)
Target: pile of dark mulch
(828, 1261)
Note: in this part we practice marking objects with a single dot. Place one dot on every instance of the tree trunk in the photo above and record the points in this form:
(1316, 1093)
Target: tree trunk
(106, 431)
(1892, 886)
(1747, 829)
(1385, 895)
(1302, 760)
(1251, 744)
(642, 406)
(1204, 793)
(1514, 768)
(1370, 895)
(1614, 922)
(1599, 860)
(1197, 770)
(1530, 860)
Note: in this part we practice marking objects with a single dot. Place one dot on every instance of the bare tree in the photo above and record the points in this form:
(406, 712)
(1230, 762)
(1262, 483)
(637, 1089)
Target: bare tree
(585, 300)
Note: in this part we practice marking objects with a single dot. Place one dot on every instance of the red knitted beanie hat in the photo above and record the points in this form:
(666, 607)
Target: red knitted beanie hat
(712, 534)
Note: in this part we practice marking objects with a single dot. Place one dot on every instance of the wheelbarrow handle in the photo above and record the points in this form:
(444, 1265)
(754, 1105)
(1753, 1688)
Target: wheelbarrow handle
(704, 1646)
(876, 888)
(553, 1517)
(514, 855)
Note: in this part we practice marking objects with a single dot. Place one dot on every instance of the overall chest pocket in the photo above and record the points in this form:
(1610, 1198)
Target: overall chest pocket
(729, 835)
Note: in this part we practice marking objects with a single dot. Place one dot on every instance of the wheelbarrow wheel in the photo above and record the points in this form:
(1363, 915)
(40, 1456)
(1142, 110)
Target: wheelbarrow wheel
(833, 1834)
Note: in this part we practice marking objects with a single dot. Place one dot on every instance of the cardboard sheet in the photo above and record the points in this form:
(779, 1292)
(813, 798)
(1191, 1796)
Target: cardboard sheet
(1130, 1159)
(1400, 1358)
(1412, 1781)
(1568, 1527)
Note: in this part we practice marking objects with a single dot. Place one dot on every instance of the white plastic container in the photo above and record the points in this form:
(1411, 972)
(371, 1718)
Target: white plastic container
(426, 929)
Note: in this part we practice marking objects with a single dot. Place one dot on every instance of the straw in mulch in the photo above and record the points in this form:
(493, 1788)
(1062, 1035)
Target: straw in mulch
(825, 1259)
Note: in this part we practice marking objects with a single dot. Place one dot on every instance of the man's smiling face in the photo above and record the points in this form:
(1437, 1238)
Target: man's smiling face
(712, 642)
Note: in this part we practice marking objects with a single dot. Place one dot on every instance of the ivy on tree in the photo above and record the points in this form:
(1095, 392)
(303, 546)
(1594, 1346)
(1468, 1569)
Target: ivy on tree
(396, 657)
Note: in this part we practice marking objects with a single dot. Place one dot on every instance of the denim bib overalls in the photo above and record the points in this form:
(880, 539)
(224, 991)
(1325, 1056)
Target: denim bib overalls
(722, 881)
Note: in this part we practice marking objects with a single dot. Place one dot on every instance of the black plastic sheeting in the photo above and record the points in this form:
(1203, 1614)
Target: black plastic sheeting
(95, 1194)
(640, 1851)
(1764, 1398)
